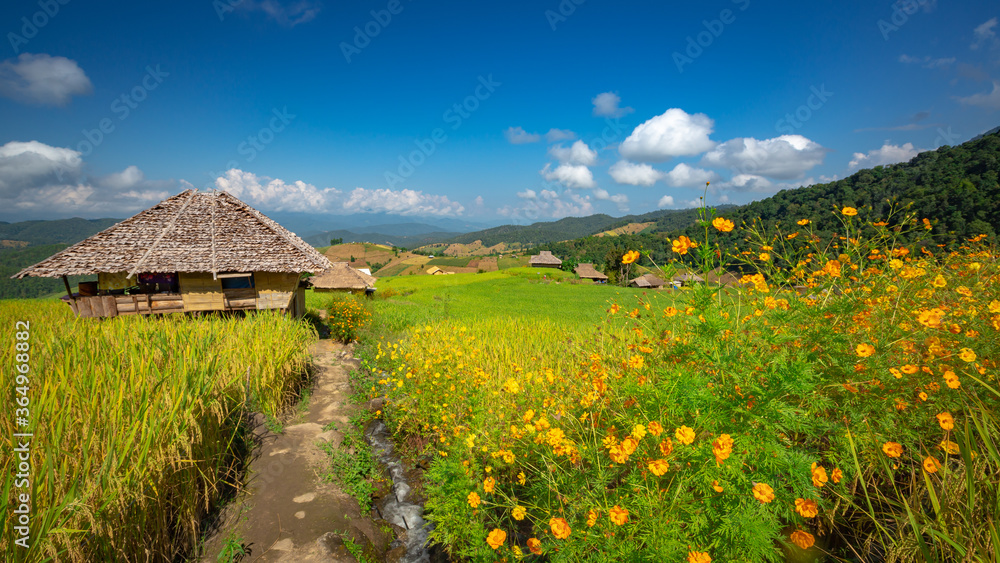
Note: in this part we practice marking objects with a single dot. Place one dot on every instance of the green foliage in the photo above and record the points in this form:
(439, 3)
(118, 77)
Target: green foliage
(234, 550)
(454, 261)
(347, 314)
(352, 464)
(13, 260)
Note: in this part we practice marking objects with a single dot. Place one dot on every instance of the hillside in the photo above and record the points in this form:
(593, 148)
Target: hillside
(61, 231)
(375, 237)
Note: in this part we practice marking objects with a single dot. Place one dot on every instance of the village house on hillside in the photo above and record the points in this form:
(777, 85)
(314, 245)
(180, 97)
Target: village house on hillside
(342, 277)
(195, 251)
(647, 281)
(544, 259)
(588, 272)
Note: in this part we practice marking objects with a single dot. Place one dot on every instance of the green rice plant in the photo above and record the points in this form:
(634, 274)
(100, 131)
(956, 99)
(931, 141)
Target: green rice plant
(137, 420)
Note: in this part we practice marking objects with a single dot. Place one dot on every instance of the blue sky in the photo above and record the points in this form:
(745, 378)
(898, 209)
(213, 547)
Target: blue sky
(487, 112)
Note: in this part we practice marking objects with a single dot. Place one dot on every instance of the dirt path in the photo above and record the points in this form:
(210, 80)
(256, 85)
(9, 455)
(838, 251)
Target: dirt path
(288, 511)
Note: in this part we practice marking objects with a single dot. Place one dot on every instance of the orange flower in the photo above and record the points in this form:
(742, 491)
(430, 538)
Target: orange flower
(560, 528)
(951, 379)
(535, 545)
(488, 484)
(666, 447)
(718, 488)
(805, 540)
(722, 447)
(803, 222)
(931, 465)
(849, 211)
(806, 507)
(864, 350)
(945, 420)
(892, 449)
(655, 428)
(763, 492)
(629, 444)
(630, 256)
(722, 225)
(909, 369)
(683, 244)
(818, 475)
(618, 515)
(591, 518)
(473, 499)
(950, 447)
(698, 557)
(837, 475)
(658, 467)
(496, 538)
(685, 435)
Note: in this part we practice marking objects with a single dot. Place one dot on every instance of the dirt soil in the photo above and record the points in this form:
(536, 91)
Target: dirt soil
(288, 512)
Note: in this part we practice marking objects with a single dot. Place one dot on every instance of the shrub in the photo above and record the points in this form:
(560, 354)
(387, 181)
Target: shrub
(346, 316)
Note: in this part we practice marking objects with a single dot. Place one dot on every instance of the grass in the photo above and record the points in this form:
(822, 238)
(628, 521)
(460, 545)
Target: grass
(352, 465)
(454, 261)
(234, 550)
(138, 420)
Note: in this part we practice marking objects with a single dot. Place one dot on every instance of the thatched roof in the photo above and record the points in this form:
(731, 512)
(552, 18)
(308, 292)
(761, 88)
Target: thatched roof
(688, 277)
(589, 272)
(648, 280)
(544, 258)
(189, 232)
(721, 277)
(342, 276)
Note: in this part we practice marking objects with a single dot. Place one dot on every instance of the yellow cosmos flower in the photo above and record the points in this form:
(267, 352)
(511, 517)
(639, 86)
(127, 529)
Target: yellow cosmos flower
(722, 447)
(763, 492)
(630, 257)
(892, 449)
(931, 464)
(722, 225)
(636, 362)
(698, 557)
(473, 499)
(666, 447)
(764, 256)
(805, 540)
(520, 478)
(618, 515)
(909, 369)
(951, 379)
(951, 448)
(591, 518)
(819, 477)
(519, 512)
(638, 431)
(683, 244)
(967, 355)
(658, 467)
(849, 211)
(560, 528)
(806, 507)
(496, 538)
(684, 435)
(488, 484)
(864, 350)
(945, 420)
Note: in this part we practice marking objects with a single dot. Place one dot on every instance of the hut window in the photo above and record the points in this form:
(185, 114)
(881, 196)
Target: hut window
(237, 281)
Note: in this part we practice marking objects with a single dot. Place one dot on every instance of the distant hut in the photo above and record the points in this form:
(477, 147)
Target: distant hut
(342, 277)
(647, 281)
(721, 277)
(588, 272)
(686, 278)
(435, 271)
(544, 259)
(195, 251)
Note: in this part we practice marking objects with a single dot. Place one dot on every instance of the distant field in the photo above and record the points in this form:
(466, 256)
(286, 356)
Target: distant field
(512, 262)
(456, 261)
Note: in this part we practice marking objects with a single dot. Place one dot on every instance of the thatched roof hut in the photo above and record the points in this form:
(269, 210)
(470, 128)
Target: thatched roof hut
(342, 277)
(687, 278)
(647, 281)
(195, 251)
(588, 272)
(544, 259)
(721, 277)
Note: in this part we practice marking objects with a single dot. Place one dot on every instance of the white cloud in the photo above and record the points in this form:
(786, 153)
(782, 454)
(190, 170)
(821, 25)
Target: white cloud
(569, 175)
(578, 153)
(559, 135)
(927, 62)
(43, 80)
(402, 202)
(983, 34)
(753, 183)
(620, 200)
(684, 176)
(665, 201)
(784, 157)
(989, 101)
(518, 136)
(888, 154)
(527, 194)
(288, 15)
(550, 205)
(38, 180)
(674, 133)
(625, 172)
(607, 105)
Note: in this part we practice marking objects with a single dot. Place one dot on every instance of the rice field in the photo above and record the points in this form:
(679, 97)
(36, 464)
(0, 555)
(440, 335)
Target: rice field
(135, 420)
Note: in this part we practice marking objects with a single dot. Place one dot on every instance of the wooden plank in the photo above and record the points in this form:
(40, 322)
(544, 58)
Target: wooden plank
(83, 307)
(167, 297)
(201, 293)
(96, 305)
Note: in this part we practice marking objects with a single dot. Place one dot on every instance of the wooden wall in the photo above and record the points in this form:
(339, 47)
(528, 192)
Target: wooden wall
(200, 292)
(275, 290)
